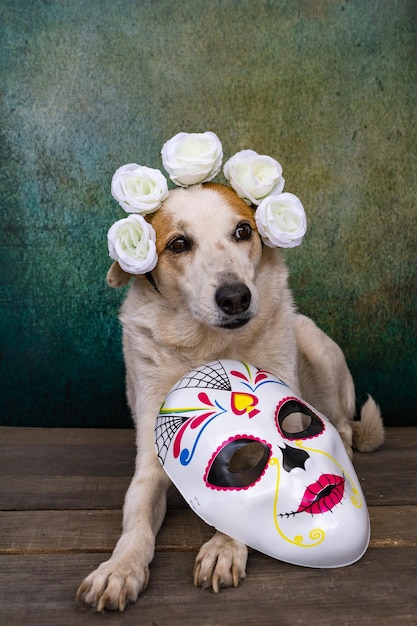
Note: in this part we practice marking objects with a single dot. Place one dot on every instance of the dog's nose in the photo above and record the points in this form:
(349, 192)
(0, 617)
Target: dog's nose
(233, 299)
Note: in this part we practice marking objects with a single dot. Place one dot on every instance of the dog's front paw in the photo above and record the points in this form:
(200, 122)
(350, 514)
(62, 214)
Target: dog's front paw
(113, 585)
(221, 562)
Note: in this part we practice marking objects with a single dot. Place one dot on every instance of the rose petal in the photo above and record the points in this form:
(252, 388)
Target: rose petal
(254, 176)
(131, 242)
(281, 221)
(191, 158)
(139, 189)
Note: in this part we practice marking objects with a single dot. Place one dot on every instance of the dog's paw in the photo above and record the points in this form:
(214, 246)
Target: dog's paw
(113, 585)
(221, 562)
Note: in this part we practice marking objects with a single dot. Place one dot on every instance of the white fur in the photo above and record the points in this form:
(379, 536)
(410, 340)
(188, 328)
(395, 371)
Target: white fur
(168, 332)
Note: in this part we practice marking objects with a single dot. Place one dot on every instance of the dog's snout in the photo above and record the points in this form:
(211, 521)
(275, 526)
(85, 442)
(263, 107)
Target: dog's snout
(233, 299)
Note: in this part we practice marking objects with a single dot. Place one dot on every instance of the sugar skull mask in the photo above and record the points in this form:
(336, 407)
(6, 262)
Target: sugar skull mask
(261, 465)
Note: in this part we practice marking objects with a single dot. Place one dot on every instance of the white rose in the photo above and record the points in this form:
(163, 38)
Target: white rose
(191, 158)
(132, 244)
(139, 189)
(281, 221)
(254, 176)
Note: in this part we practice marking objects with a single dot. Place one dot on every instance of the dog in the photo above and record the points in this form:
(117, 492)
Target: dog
(216, 293)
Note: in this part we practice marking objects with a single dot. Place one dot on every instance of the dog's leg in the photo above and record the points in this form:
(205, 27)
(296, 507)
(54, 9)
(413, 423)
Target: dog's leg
(119, 580)
(221, 562)
(325, 380)
(326, 383)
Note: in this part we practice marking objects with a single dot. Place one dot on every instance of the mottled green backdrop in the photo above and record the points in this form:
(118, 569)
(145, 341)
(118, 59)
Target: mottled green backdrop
(328, 87)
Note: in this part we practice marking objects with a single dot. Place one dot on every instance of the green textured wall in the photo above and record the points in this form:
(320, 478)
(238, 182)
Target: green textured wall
(328, 87)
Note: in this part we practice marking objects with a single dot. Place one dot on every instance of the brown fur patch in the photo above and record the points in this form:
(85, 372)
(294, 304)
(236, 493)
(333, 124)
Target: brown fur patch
(232, 199)
(165, 228)
(116, 277)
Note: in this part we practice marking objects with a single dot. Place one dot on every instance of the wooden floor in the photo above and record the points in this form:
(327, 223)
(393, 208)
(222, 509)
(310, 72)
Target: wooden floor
(61, 493)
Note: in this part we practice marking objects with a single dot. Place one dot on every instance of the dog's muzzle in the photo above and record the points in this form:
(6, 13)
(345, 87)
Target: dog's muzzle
(234, 300)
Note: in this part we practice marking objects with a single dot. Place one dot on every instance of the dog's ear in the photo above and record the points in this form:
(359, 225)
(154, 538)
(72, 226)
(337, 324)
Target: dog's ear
(116, 277)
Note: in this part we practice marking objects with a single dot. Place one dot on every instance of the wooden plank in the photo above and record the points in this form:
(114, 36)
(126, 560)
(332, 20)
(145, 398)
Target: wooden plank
(388, 476)
(63, 532)
(46, 553)
(37, 532)
(26, 493)
(67, 460)
(393, 526)
(84, 476)
(62, 492)
(11, 435)
(379, 589)
(403, 437)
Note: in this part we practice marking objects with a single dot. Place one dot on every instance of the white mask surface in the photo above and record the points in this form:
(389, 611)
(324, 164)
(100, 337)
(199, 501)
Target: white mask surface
(261, 465)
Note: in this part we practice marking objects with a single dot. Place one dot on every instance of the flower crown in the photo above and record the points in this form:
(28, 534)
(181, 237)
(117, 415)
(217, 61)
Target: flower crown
(190, 159)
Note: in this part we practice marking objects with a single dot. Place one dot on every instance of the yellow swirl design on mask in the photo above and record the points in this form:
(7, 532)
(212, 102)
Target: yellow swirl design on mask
(316, 535)
(355, 498)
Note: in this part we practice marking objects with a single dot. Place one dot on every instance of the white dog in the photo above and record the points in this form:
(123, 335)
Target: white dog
(217, 293)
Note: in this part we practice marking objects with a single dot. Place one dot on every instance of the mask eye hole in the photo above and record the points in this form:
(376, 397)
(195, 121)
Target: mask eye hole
(238, 464)
(297, 421)
(247, 457)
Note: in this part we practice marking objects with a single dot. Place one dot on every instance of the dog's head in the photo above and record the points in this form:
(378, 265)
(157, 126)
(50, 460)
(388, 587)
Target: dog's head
(209, 250)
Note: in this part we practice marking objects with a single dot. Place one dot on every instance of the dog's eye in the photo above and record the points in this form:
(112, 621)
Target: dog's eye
(179, 244)
(243, 231)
